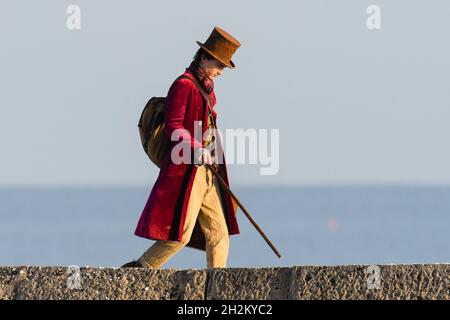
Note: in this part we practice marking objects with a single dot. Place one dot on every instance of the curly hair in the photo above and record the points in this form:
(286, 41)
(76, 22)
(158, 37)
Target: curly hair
(198, 55)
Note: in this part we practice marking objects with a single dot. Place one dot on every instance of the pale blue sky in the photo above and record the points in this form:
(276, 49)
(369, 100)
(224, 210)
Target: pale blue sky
(352, 105)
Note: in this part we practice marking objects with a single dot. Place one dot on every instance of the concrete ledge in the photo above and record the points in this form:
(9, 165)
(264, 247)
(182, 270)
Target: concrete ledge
(416, 281)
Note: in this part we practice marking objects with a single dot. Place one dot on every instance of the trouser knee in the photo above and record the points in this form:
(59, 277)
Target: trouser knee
(183, 242)
(220, 239)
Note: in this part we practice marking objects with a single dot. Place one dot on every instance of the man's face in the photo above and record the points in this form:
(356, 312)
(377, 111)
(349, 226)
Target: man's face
(212, 68)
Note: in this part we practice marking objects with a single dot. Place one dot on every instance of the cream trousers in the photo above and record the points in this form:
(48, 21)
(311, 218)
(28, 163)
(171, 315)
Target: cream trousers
(205, 203)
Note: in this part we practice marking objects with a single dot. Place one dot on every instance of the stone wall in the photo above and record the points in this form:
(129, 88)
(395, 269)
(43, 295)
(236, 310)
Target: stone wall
(416, 281)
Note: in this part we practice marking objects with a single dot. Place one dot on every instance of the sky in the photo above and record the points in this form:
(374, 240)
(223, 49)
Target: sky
(352, 105)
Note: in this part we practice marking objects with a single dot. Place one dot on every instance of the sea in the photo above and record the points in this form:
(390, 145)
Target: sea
(309, 225)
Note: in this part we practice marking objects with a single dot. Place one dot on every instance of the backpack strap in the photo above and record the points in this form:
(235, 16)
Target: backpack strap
(204, 94)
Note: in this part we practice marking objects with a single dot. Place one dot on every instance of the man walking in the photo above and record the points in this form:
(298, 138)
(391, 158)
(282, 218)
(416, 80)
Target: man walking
(187, 206)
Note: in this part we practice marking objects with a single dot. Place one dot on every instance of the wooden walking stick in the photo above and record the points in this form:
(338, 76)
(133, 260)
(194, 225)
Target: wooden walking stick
(208, 102)
(243, 209)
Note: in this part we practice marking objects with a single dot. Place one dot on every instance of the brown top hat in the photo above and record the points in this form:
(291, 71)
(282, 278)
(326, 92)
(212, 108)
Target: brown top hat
(221, 45)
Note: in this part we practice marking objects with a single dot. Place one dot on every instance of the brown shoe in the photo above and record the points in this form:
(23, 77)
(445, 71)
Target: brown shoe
(132, 264)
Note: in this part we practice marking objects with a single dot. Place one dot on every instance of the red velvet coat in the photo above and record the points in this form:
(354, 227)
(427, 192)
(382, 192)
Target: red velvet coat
(164, 214)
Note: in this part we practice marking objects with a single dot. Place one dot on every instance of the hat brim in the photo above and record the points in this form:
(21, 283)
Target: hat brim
(229, 64)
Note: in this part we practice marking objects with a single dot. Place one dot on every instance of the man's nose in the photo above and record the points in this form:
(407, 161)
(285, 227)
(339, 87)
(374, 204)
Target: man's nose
(219, 71)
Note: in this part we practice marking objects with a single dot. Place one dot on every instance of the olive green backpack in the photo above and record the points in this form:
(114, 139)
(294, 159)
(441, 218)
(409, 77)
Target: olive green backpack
(151, 126)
